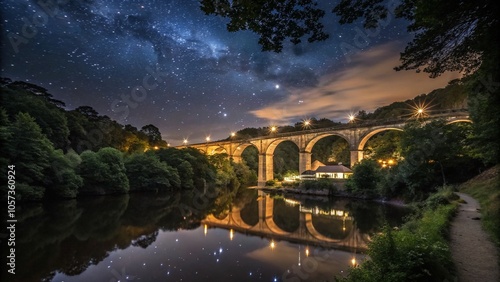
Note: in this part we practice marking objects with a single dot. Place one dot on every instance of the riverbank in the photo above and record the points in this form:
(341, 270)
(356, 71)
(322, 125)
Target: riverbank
(327, 193)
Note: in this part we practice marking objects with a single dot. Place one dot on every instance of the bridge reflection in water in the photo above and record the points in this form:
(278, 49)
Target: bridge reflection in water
(330, 228)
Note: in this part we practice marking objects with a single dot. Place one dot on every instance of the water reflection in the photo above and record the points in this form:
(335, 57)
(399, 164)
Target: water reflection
(331, 224)
(157, 237)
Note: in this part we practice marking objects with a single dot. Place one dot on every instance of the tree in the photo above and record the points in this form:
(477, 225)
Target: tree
(274, 21)
(365, 178)
(383, 146)
(50, 118)
(147, 173)
(61, 179)
(103, 172)
(153, 134)
(29, 150)
(186, 175)
(458, 42)
(203, 172)
(88, 112)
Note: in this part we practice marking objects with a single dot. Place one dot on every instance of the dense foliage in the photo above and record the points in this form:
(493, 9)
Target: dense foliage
(426, 155)
(417, 252)
(63, 154)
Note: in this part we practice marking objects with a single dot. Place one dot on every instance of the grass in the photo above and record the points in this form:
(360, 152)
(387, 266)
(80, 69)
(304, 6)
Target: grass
(486, 190)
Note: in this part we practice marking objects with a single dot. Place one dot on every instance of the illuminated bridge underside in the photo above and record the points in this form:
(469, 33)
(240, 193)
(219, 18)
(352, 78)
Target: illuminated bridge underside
(356, 136)
(305, 233)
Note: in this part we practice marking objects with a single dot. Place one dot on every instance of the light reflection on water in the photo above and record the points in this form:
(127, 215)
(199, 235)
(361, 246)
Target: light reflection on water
(146, 238)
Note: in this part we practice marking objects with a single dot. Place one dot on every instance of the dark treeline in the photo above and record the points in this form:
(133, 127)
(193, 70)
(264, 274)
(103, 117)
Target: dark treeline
(63, 154)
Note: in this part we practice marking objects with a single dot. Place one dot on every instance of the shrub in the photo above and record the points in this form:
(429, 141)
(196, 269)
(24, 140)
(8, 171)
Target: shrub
(271, 183)
(417, 252)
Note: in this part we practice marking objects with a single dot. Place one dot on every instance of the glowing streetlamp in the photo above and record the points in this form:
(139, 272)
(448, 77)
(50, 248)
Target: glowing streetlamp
(233, 134)
(351, 118)
(185, 141)
(273, 245)
(353, 262)
(306, 124)
(208, 138)
(231, 234)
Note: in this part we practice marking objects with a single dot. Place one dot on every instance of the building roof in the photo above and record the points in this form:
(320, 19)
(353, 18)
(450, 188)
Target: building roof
(308, 172)
(333, 169)
(316, 164)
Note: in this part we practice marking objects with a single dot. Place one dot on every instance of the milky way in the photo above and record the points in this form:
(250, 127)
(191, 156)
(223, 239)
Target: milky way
(167, 63)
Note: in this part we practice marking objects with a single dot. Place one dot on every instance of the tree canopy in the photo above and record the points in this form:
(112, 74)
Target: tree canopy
(273, 20)
(449, 35)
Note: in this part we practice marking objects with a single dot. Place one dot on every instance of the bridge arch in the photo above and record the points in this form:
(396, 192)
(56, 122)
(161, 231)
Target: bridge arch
(240, 148)
(310, 144)
(370, 134)
(272, 146)
(217, 150)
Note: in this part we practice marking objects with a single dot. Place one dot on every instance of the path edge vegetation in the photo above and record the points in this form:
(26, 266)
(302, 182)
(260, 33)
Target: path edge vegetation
(418, 251)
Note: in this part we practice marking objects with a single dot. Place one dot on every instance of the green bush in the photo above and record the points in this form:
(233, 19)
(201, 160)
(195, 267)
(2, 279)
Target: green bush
(417, 252)
(444, 196)
(320, 184)
(271, 183)
(365, 179)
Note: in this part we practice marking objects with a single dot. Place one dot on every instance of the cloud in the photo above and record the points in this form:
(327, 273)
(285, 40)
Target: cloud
(367, 83)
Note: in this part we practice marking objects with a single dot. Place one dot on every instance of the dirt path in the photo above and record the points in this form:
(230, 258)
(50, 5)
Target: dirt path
(474, 254)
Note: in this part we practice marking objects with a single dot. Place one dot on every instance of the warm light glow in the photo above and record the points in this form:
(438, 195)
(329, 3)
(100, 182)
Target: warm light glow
(205, 230)
(273, 245)
(185, 141)
(231, 234)
(353, 261)
(208, 138)
(351, 118)
(273, 128)
(387, 163)
(307, 252)
(420, 110)
(156, 148)
(233, 134)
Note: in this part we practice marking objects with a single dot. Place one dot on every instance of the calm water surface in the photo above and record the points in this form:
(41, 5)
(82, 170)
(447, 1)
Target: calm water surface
(251, 236)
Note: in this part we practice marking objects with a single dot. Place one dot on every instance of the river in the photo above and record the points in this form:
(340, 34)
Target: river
(251, 236)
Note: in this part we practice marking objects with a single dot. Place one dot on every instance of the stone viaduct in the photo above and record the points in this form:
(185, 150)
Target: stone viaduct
(355, 133)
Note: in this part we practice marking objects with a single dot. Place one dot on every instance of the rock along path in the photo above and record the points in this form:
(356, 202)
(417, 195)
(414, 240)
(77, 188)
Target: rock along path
(473, 253)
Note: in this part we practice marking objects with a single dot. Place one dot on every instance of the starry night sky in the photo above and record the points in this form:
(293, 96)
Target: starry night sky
(166, 63)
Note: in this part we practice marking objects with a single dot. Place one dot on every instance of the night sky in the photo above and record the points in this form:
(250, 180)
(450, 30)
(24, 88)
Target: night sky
(166, 63)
